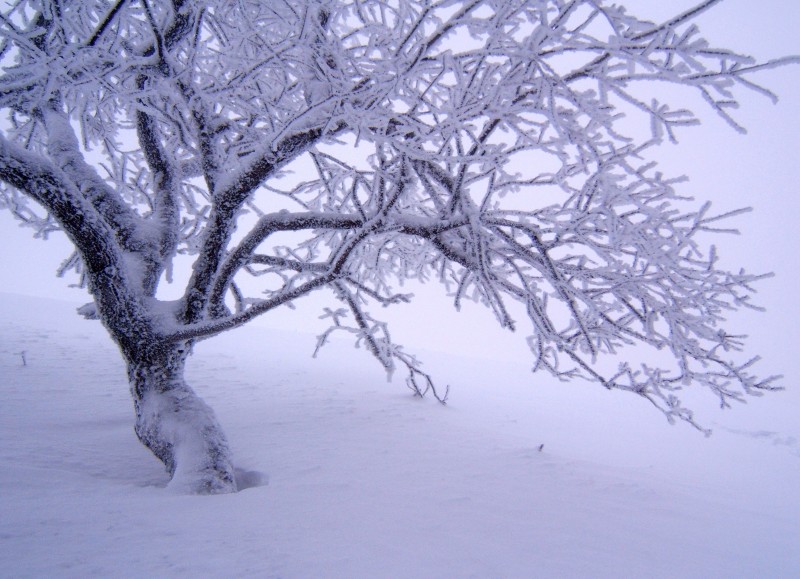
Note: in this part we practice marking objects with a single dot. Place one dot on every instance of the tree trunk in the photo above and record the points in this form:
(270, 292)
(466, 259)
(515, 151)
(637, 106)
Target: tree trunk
(176, 425)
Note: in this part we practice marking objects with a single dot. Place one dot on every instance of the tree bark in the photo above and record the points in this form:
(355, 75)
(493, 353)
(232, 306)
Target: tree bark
(176, 425)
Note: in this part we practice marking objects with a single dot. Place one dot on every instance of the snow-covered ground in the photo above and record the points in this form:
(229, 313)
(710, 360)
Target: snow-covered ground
(360, 479)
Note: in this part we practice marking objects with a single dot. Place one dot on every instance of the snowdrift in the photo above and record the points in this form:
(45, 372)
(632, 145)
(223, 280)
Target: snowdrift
(347, 475)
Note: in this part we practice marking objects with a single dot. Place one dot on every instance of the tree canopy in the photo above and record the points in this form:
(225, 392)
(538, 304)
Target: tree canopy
(500, 148)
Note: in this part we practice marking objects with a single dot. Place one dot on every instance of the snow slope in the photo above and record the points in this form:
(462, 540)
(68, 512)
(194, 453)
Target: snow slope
(360, 479)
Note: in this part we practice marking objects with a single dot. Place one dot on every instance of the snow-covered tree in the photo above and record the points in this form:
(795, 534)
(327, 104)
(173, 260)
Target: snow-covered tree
(500, 148)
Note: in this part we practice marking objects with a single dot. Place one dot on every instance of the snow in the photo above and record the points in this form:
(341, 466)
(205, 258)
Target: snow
(348, 476)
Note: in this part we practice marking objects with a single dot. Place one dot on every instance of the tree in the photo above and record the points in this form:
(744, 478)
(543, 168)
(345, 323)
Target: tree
(354, 145)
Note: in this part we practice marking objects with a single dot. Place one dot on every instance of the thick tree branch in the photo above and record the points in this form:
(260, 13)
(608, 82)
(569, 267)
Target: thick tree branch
(267, 225)
(64, 149)
(227, 202)
(94, 238)
(166, 189)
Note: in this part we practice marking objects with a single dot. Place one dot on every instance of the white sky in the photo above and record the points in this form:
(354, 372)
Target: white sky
(759, 170)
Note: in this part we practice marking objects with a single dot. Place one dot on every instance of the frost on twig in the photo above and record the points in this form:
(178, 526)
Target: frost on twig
(375, 336)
